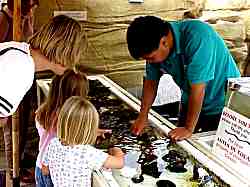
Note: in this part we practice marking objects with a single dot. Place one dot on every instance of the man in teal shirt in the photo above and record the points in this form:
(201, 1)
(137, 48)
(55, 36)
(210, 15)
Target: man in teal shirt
(197, 58)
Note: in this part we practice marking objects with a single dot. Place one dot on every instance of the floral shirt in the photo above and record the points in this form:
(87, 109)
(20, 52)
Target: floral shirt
(72, 165)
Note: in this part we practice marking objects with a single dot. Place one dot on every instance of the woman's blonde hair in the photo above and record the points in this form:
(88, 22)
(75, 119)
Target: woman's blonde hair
(77, 122)
(71, 83)
(60, 40)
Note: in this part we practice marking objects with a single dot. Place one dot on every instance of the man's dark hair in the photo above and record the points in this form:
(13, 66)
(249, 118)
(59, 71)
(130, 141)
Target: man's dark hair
(144, 34)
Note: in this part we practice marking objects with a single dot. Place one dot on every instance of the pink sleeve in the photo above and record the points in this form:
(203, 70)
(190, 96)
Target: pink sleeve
(40, 129)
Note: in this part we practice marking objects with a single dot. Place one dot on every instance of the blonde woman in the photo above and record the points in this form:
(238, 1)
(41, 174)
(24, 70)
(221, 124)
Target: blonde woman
(70, 156)
(54, 47)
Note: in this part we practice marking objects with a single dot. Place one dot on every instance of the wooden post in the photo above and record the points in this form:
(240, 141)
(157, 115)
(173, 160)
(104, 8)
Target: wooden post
(17, 20)
(15, 117)
(15, 147)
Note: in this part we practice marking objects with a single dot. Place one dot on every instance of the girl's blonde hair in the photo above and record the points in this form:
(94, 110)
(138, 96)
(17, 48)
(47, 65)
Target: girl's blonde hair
(71, 83)
(60, 40)
(77, 122)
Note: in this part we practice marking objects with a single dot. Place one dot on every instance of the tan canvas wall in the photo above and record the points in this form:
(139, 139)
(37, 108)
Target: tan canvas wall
(107, 21)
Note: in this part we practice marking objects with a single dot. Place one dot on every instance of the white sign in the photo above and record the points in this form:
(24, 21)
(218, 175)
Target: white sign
(135, 1)
(77, 15)
(232, 143)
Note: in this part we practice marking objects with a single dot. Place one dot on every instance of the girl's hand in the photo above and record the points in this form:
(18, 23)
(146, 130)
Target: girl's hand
(101, 132)
(115, 151)
(45, 170)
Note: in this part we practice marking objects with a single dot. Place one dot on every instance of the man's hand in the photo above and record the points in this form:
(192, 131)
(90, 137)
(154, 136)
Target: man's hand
(180, 133)
(138, 125)
(148, 96)
(195, 101)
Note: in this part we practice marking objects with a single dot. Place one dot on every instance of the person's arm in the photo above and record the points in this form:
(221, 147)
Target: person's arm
(3, 120)
(41, 131)
(195, 100)
(149, 93)
(45, 161)
(27, 27)
(115, 159)
(4, 27)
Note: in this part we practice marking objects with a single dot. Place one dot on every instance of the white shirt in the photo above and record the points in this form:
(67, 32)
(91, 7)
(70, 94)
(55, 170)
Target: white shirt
(16, 75)
(168, 91)
(72, 166)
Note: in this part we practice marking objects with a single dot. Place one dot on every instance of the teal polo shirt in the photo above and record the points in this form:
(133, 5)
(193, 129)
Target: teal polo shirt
(199, 56)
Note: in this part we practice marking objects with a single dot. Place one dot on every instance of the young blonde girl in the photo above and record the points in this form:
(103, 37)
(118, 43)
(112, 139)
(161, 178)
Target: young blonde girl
(71, 83)
(71, 156)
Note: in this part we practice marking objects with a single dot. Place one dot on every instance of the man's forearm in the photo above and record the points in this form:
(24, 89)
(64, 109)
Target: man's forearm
(195, 102)
(149, 93)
